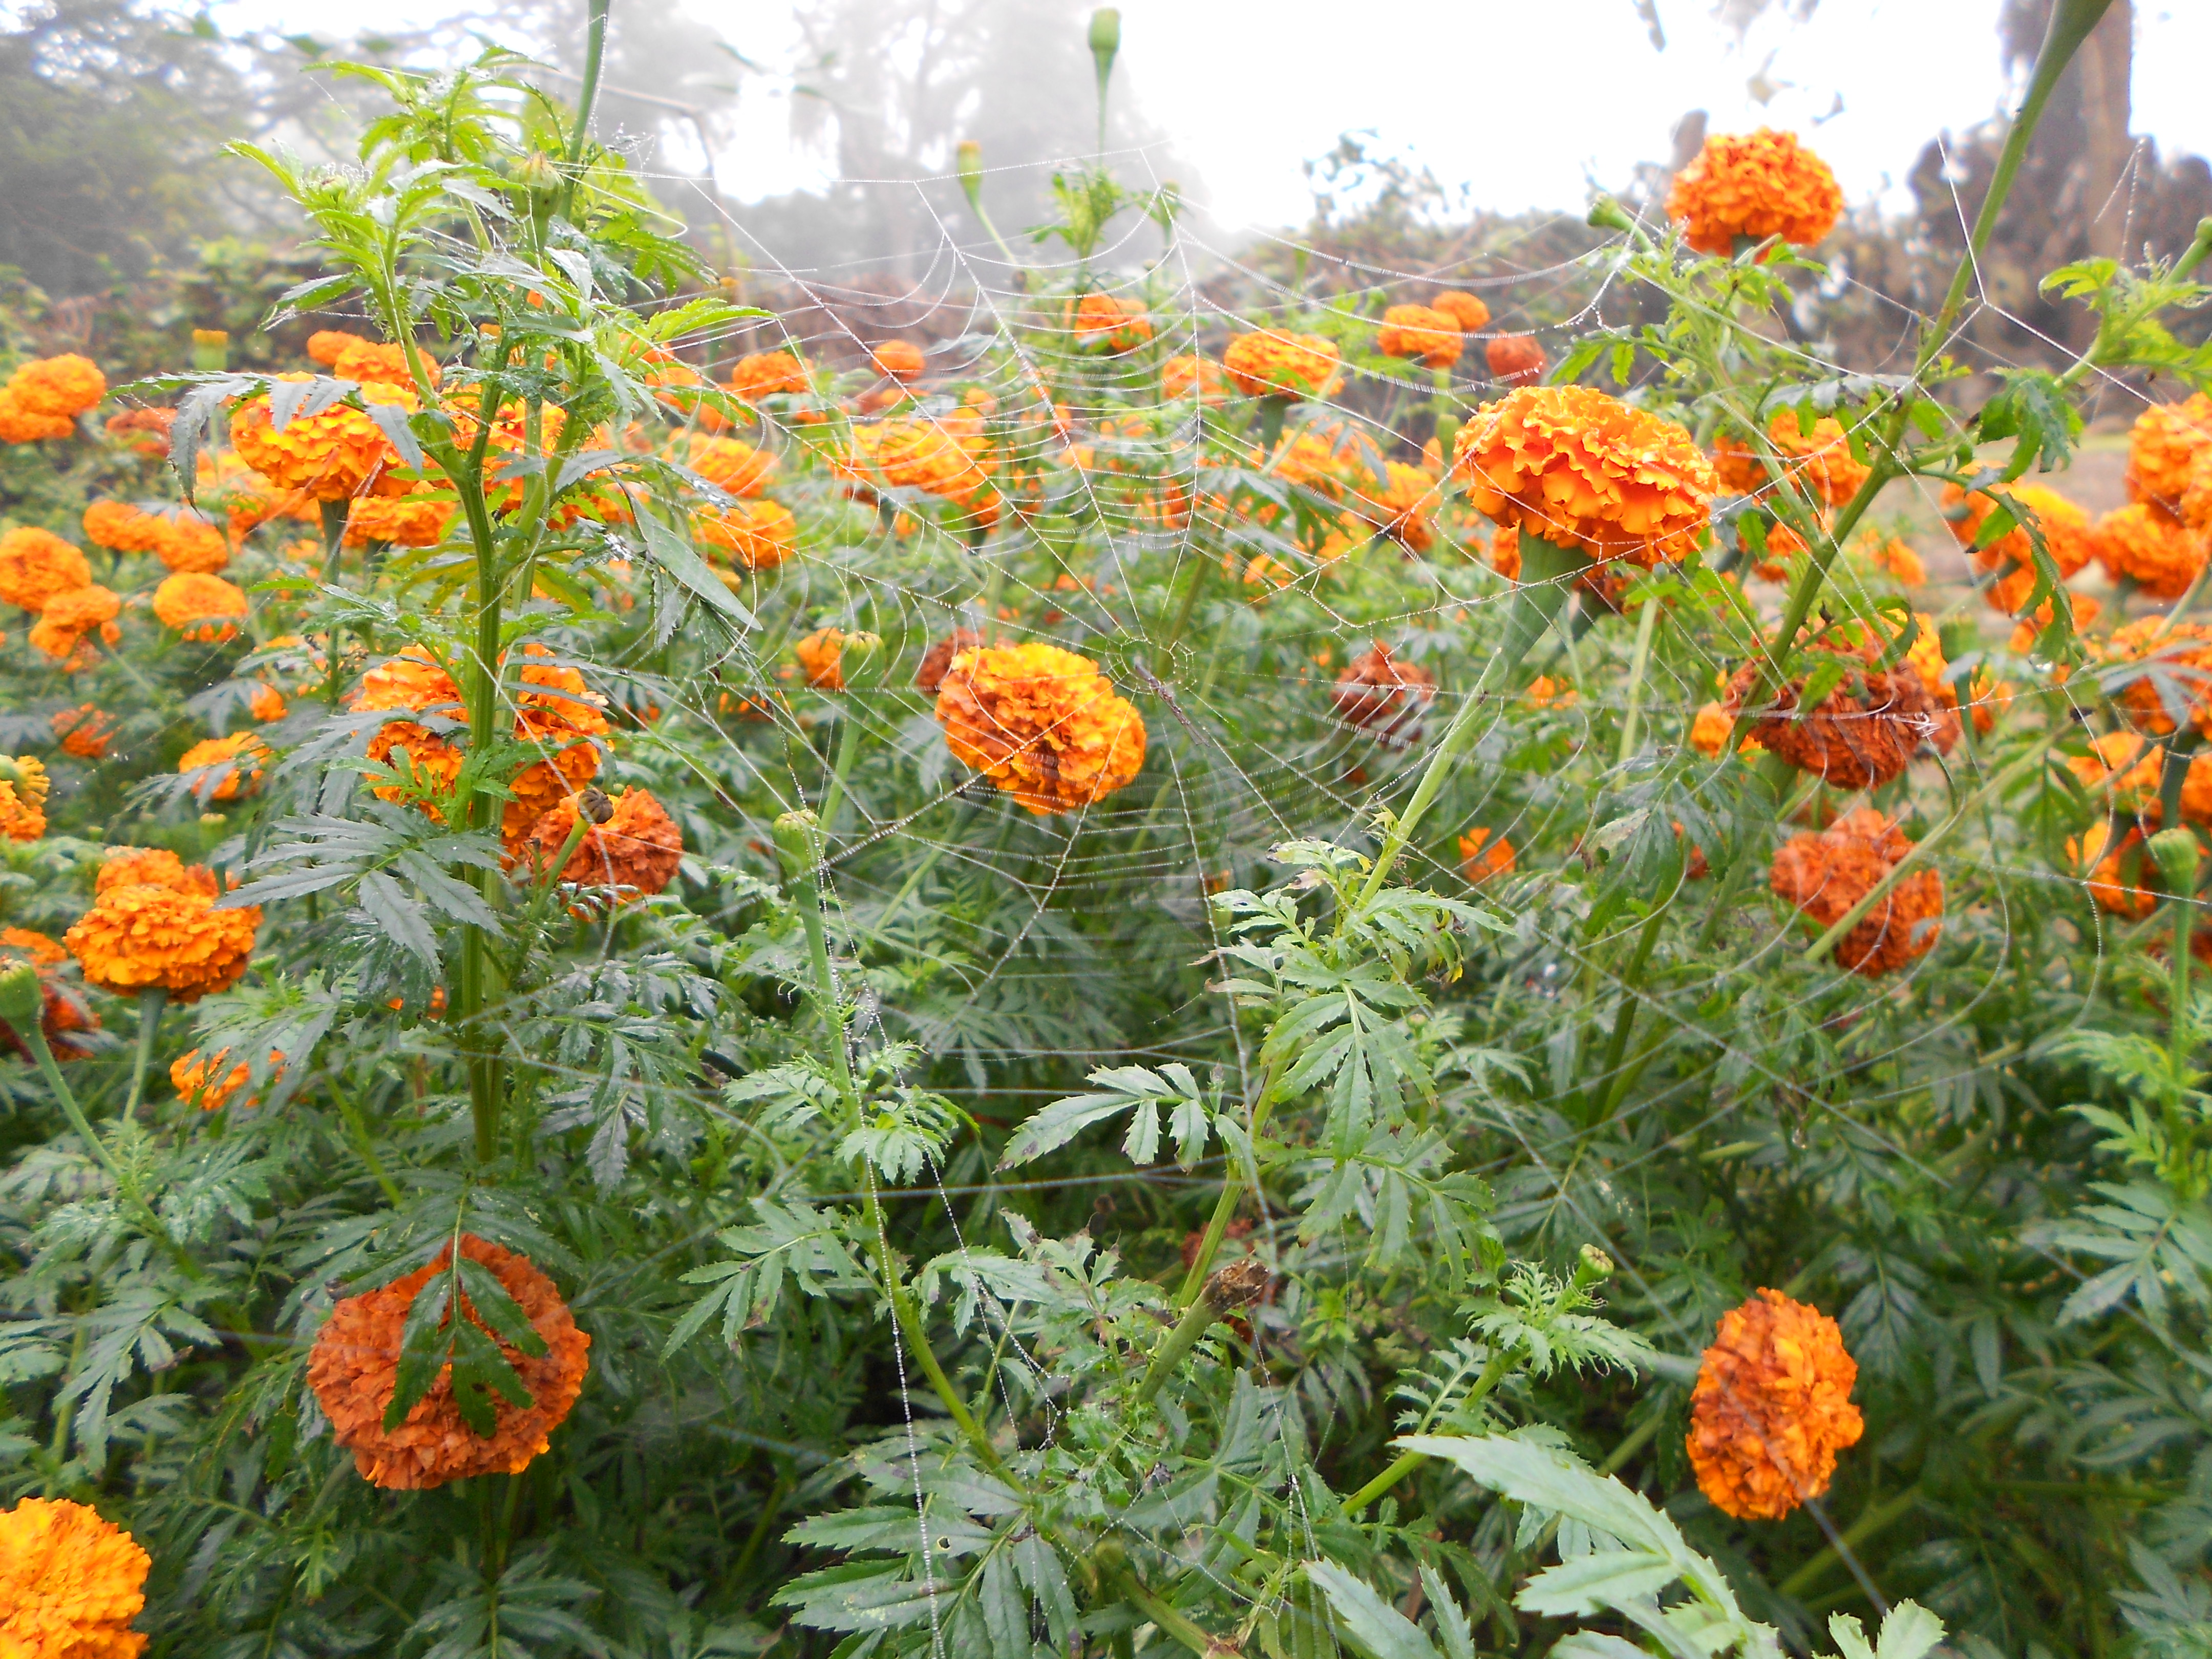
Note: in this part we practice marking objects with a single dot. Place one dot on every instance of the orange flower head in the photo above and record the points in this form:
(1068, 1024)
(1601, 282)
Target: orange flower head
(200, 607)
(354, 1368)
(266, 704)
(2121, 877)
(32, 946)
(897, 360)
(414, 682)
(1516, 359)
(1465, 310)
(36, 564)
(1754, 185)
(374, 362)
(58, 388)
(1824, 875)
(634, 848)
(1425, 333)
(1041, 723)
(1180, 377)
(735, 467)
(758, 535)
(1865, 732)
(2123, 766)
(821, 658)
(2177, 657)
(1771, 1408)
(766, 374)
(557, 714)
(86, 610)
(1384, 698)
(121, 527)
(70, 1583)
(2161, 557)
(231, 766)
(23, 789)
(1577, 468)
(329, 456)
(1505, 552)
(185, 541)
(2067, 537)
(1819, 463)
(326, 346)
(1268, 365)
(1482, 859)
(418, 518)
(939, 658)
(201, 1082)
(1709, 729)
(18, 425)
(141, 937)
(1895, 560)
(153, 867)
(1402, 503)
(2163, 448)
(1099, 322)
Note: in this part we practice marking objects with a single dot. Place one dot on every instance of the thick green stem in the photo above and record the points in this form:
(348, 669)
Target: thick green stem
(1539, 600)
(334, 524)
(1224, 1207)
(1646, 626)
(1180, 1340)
(151, 1001)
(595, 49)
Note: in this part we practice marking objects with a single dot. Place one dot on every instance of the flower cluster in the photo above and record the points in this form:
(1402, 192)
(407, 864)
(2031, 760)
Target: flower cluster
(44, 397)
(154, 925)
(1866, 731)
(70, 1583)
(1771, 1408)
(1041, 723)
(1266, 365)
(354, 1368)
(1827, 874)
(1754, 185)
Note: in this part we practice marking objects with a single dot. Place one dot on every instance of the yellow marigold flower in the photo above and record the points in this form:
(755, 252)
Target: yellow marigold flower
(766, 374)
(1481, 859)
(417, 519)
(327, 345)
(1270, 365)
(1465, 310)
(1826, 875)
(121, 527)
(2161, 557)
(140, 936)
(1423, 333)
(239, 757)
(1182, 376)
(1818, 462)
(1516, 359)
(70, 1583)
(58, 388)
(1771, 1408)
(36, 564)
(1577, 468)
(760, 535)
(1041, 723)
(730, 465)
(354, 1368)
(1754, 185)
(83, 732)
(2163, 448)
(331, 456)
(897, 360)
(634, 848)
(200, 607)
(1101, 322)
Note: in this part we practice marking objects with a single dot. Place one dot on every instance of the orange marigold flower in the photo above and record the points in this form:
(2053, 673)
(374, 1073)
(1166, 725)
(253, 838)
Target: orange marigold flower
(1267, 365)
(760, 535)
(2161, 557)
(728, 464)
(1826, 874)
(122, 527)
(36, 564)
(765, 374)
(635, 846)
(1465, 309)
(1864, 732)
(18, 425)
(2067, 537)
(1402, 503)
(198, 1083)
(2177, 676)
(23, 789)
(1181, 376)
(57, 388)
(266, 704)
(2164, 447)
(1709, 729)
(1577, 468)
(86, 608)
(1505, 552)
(1754, 185)
(2122, 766)
(417, 519)
(1516, 359)
(821, 658)
(411, 682)
(34, 946)
(153, 867)
(2086, 607)
(200, 607)
(1041, 723)
(354, 1368)
(239, 757)
(70, 1583)
(327, 345)
(557, 714)
(374, 361)
(1544, 692)
(897, 360)
(1895, 559)
(2116, 875)
(1480, 858)
(1421, 332)
(1771, 1408)
(939, 658)
(1383, 696)
(139, 937)
(146, 430)
(1818, 462)
(337, 453)
(1101, 322)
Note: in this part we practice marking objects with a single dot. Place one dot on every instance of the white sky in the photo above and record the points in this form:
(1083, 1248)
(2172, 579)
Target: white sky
(1528, 102)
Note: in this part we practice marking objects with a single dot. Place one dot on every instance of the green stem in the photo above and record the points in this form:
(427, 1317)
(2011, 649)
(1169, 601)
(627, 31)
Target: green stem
(1616, 1049)
(1493, 1373)
(1859, 1531)
(334, 524)
(1539, 600)
(595, 48)
(848, 747)
(1645, 625)
(151, 1001)
(1224, 1207)
(1180, 1340)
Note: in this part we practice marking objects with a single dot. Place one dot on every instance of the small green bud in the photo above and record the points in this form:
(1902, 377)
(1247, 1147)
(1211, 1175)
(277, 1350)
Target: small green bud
(969, 162)
(798, 842)
(22, 999)
(1105, 37)
(1607, 214)
(1595, 1265)
(2179, 857)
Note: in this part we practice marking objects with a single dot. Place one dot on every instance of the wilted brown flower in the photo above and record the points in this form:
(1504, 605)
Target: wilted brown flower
(1383, 696)
(939, 656)
(1864, 732)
